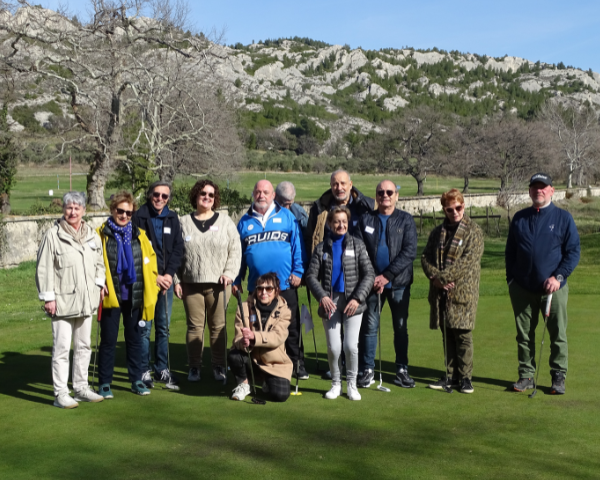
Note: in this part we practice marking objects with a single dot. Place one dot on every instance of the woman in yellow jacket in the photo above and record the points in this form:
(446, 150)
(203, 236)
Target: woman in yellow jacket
(131, 290)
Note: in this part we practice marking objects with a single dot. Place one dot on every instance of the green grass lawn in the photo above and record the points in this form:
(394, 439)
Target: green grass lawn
(418, 433)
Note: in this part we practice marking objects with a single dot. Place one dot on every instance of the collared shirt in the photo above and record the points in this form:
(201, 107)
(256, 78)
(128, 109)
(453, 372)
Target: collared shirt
(263, 219)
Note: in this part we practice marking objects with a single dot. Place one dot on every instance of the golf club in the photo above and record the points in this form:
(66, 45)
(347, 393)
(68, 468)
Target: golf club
(447, 388)
(169, 384)
(298, 364)
(313, 331)
(380, 387)
(225, 327)
(537, 367)
(97, 335)
(255, 399)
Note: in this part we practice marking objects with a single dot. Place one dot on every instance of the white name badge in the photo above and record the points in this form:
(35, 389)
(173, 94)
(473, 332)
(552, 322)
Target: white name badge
(349, 253)
(250, 227)
(92, 244)
(277, 220)
(214, 228)
(141, 323)
(146, 260)
(188, 238)
(167, 230)
(369, 230)
(253, 318)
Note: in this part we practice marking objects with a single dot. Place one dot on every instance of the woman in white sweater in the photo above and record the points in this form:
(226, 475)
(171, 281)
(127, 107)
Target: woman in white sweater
(212, 255)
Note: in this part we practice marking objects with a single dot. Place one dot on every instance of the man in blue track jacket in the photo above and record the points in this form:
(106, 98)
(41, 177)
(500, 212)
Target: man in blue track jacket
(272, 242)
(542, 250)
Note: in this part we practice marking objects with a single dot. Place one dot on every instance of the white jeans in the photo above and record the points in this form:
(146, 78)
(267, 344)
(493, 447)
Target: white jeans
(80, 329)
(333, 333)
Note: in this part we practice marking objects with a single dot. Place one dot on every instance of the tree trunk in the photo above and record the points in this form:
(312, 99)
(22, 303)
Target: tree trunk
(570, 179)
(466, 184)
(167, 174)
(96, 181)
(420, 182)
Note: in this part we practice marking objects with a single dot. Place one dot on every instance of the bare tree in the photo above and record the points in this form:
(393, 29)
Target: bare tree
(513, 149)
(107, 65)
(464, 145)
(577, 133)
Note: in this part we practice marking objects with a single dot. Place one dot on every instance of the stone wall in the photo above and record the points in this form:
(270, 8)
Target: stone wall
(20, 236)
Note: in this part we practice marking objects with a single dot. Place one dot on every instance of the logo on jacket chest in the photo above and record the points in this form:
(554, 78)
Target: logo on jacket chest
(551, 227)
(273, 236)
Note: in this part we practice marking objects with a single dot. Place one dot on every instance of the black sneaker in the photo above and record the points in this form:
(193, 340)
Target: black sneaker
(403, 379)
(365, 379)
(466, 386)
(558, 383)
(302, 373)
(439, 385)
(523, 384)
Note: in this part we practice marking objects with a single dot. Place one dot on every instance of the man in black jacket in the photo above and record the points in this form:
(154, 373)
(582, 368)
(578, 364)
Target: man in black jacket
(164, 231)
(390, 236)
(341, 193)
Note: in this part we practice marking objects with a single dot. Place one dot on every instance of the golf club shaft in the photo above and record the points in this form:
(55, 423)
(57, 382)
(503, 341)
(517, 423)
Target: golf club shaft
(225, 327)
(99, 316)
(239, 299)
(379, 334)
(447, 389)
(313, 329)
(546, 314)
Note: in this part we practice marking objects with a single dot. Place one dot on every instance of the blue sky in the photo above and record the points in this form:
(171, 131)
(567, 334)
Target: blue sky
(551, 31)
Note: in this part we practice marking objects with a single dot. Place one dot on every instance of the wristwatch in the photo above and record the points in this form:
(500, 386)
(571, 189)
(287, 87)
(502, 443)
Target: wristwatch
(560, 278)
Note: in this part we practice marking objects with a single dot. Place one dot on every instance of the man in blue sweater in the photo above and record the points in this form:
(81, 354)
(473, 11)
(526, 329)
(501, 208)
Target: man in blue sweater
(272, 242)
(542, 250)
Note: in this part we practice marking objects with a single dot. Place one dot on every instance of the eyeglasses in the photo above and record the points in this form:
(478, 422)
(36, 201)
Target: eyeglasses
(120, 211)
(268, 289)
(381, 193)
(207, 194)
(159, 195)
(458, 209)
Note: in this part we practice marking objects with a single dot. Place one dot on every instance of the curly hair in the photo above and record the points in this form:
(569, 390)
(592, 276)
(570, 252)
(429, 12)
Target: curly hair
(197, 188)
(453, 195)
(120, 197)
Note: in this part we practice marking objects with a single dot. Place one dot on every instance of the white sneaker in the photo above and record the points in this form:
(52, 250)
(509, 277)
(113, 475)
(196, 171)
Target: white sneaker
(194, 375)
(353, 392)
(88, 395)
(64, 400)
(241, 391)
(336, 391)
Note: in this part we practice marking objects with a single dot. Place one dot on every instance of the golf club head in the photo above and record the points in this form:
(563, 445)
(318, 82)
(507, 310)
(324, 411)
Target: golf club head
(381, 388)
(171, 386)
(258, 401)
(296, 393)
(533, 393)
(448, 389)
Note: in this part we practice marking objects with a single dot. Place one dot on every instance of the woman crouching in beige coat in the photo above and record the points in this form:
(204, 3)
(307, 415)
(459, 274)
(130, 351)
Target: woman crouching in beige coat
(262, 331)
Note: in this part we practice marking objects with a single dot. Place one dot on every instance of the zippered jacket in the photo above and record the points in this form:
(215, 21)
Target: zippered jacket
(276, 247)
(356, 265)
(401, 239)
(70, 273)
(171, 238)
(542, 242)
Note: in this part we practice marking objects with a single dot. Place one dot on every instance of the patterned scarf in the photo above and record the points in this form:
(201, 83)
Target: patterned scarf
(125, 264)
(78, 235)
(446, 255)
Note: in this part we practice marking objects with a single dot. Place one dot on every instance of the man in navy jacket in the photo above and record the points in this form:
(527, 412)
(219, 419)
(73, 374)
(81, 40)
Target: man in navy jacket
(542, 250)
(272, 242)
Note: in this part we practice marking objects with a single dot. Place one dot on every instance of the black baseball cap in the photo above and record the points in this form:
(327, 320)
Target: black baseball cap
(542, 178)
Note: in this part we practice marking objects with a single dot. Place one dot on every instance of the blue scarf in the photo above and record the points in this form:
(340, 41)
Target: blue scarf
(337, 271)
(125, 264)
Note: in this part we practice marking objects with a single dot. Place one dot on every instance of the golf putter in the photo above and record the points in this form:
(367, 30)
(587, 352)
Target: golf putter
(380, 387)
(319, 370)
(168, 385)
(446, 387)
(255, 399)
(225, 318)
(97, 335)
(537, 367)
(298, 364)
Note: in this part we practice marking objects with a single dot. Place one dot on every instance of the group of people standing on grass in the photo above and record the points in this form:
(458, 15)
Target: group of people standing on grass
(352, 252)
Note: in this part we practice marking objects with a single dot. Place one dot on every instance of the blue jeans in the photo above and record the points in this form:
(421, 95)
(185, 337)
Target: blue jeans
(162, 322)
(398, 298)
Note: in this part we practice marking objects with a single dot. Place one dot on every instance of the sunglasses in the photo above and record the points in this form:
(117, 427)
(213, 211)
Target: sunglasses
(268, 289)
(381, 193)
(458, 209)
(207, 194)
(159, 195)
(120, 211)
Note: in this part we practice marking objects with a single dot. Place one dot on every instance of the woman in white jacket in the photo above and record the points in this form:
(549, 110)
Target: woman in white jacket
(70, 279)
(212, 255)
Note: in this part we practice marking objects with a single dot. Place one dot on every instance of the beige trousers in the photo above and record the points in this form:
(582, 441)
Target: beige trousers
(203, 304)
(63, 330)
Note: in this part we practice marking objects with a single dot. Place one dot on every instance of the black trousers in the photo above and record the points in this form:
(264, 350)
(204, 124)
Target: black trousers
(109, 332)
(277, 388)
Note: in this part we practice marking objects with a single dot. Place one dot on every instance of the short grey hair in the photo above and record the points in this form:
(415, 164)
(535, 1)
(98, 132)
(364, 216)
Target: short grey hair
(286, 191)
(78, 198)
(159, 183)
(339, 171)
